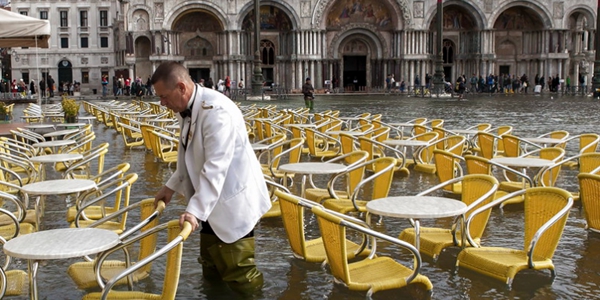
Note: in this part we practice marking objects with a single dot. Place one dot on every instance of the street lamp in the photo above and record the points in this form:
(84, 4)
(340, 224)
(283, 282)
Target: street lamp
(257, 77)
(438, 77)
(596, 82)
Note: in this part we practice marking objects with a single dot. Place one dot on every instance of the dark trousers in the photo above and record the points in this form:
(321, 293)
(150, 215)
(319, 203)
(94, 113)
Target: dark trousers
(232, 263)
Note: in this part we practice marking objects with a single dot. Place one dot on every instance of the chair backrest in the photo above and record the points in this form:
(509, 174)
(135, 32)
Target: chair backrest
(381, 179)
(545, 205)
(334, 243)
(500, 131)
(419, 129)
(589, 188)
(348, 143)
(512, 145)
(454, 144)
(474, 187)
(588, 142)
(174, 251)
(418, 121)
(589, 162)
(292, 215)
(488, 144)
(146, 128)
(447, 166)
(380, 134)
(92, 157)
(477, 165)
(437, 123)
(293, 151)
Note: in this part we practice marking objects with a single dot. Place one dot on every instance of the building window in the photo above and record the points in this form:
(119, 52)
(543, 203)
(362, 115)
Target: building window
(23, 12)
(83, 18)
(84, 42)
(44, 15)
(64, 18)
(64, 42)
(267, 50)
(103, 18)
(104, 42)
(85, 77)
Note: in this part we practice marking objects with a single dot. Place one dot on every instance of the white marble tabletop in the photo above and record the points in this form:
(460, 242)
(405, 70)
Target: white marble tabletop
(464, 131)
(314, 168)
(60, 132)
(39, 126)
(57, 143)
(71, 124)
(416, 207)
(353, 133)
(300, 125)
(402, 124)
(259, 146)
(61, 243)
(53, 158)
(86, 118)
(522, 162)
(417, 143)
(59, 186)
(549, 141)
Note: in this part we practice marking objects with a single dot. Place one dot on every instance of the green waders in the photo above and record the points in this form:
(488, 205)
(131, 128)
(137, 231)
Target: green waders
(308, 102)
(232, 263)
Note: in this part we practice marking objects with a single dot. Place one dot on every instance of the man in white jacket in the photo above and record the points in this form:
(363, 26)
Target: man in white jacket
(218, 173)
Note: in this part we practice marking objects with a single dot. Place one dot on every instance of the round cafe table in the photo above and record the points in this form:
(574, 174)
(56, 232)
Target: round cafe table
(58, 244)
(310, 168)
(417, 207)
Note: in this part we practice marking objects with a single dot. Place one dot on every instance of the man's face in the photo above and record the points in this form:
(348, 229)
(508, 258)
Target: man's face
(171, 97)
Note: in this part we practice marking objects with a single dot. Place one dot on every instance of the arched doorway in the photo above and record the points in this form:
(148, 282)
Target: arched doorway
(448, 53)
(354, 55)
(65, 72)
(143, 65)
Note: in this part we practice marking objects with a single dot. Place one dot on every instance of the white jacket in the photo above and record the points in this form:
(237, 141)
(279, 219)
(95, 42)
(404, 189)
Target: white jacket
(219, 172)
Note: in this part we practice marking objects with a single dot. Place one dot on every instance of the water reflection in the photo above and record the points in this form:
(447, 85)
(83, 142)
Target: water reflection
(289, 278)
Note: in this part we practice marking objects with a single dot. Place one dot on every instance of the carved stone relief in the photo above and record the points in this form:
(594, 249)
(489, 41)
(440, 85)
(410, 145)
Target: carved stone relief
(323, 4)
(104, 60)
(159, 12)
(418, 8)
(488, 6)
(559, 10)
(305, 8)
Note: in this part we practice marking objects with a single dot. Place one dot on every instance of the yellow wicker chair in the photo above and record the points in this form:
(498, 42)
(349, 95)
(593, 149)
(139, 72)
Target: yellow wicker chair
(371, 274)
(453, 144)
(479, 190)
(173, 249)
(353, 175)
(292, 213)
(589, 187)
(164, 146)
(588, 143)
(284, 152)
(132, 136)
(14, 224)
(487, 144)
(83, 274)
(377, 149)
(120, 190)
(546, 211)
(275, 210)
(15, 281)
(515, 146)
(553, 154)
(448, 166)
(321, 148)
(380, 183)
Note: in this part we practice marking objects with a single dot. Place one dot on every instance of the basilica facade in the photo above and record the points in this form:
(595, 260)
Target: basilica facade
(352, 44)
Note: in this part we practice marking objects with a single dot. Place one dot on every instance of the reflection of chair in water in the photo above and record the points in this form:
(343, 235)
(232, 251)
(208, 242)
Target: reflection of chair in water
(292, 212)
(546, 210)
(371, 274)
(173, 249)
(478, 190)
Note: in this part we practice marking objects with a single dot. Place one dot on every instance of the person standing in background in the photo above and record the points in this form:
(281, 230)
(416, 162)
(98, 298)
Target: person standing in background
(308, 91)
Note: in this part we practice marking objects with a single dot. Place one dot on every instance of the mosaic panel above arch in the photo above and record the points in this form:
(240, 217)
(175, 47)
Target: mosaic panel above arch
(374, 12)
(271, 18)
(197, 21)
(351, 31)
(322, 6)
(518, 18)
(455, 18)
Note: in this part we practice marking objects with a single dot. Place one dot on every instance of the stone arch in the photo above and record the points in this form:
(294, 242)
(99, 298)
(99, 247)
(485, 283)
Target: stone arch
(399, 8)
(194, 20)
(136, 15)
(143, 50)
(368, 33)
(540, 12)
(181, 10)
(289, 12)
(575, 18)
(473, 13)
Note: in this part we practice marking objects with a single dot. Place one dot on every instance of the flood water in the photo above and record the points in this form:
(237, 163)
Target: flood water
(578, 271)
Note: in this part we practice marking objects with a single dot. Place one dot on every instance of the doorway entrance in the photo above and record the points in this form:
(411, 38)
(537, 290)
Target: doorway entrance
(448, 74)
(268, 77)
(355, 72)
(199, 73)
(65, 72)
(504, 69)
